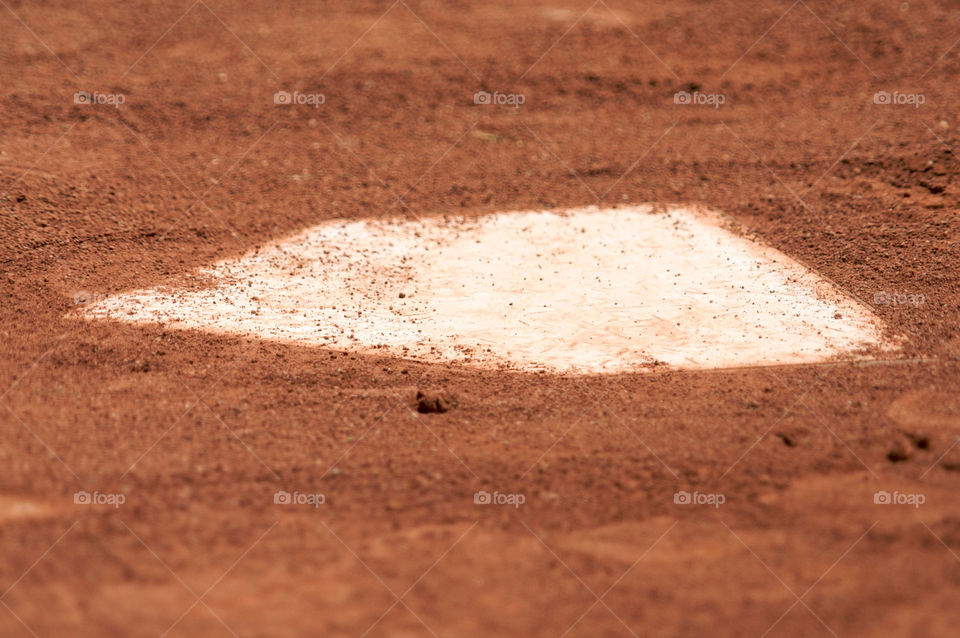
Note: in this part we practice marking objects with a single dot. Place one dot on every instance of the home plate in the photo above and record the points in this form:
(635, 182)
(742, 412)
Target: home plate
(586, 290)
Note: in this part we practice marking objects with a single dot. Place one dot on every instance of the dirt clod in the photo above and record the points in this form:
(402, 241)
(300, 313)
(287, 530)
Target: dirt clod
(788, 440)
(140, 366)
(919, 441)
(897, 454)
(433, 403)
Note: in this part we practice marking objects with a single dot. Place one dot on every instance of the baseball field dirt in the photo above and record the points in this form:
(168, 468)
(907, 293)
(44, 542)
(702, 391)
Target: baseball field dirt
(162, 480)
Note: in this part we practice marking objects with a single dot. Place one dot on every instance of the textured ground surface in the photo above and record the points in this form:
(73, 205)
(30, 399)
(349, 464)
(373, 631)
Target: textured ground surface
(197, 433)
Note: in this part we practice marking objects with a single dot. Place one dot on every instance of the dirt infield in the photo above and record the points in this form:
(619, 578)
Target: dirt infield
(161, 482)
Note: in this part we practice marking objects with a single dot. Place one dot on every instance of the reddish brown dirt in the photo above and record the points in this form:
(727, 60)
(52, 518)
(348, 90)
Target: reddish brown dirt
(199, 432)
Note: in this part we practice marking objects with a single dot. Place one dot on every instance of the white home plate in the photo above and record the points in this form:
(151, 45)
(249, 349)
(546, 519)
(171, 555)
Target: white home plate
(585, 290)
